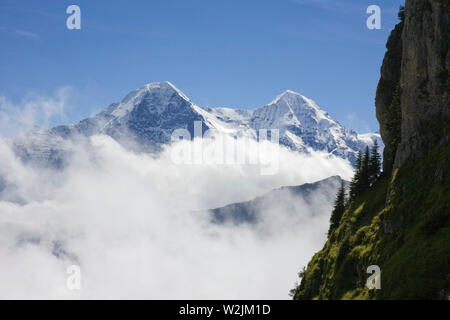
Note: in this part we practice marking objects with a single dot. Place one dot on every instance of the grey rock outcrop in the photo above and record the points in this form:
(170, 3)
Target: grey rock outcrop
(417, 62)
(390, 77)
(424, 78)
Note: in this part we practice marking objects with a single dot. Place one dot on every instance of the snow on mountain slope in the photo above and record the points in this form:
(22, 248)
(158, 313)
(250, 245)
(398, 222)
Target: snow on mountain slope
(42, 147)
(302, 124)
(148, 116)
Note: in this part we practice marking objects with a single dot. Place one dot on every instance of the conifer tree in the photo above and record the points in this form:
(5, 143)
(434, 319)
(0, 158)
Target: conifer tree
(374, 163)
(338, 209)
(355, 183)
(361, 179)
(364, 182)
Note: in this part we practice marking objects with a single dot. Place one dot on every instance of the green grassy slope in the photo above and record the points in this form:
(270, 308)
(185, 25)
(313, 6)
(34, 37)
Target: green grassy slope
(407, 236)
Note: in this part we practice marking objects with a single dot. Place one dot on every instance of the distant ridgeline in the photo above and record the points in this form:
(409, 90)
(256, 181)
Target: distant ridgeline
(147, 117)
(399, 221)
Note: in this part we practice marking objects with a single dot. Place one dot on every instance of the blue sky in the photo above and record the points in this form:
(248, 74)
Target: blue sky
(235, 53)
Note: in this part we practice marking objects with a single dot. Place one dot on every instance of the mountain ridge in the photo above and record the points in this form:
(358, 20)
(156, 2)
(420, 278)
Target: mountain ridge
(250, 211)
(149, 115)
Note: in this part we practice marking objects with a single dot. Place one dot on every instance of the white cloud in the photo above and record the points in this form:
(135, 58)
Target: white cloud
(27, 34)
(354, 121)
(34, 109)
(127, 220)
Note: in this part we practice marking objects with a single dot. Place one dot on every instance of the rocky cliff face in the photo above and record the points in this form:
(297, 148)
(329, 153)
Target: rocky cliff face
(390, 77)
(424, 78)
(400, 224)
(416, 64)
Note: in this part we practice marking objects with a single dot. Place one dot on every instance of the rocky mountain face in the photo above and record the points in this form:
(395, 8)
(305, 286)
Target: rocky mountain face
(424, 78)
(416, 65)
(146, 118)
(387, 86)
(310, 199)
(401, 223)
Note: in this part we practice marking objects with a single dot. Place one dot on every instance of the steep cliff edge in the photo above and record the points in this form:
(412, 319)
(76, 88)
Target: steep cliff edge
(401, 223)
(387, 86)
(415, 71)
(424, 78)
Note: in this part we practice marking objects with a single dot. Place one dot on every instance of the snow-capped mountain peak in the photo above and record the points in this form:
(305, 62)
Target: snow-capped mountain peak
(150, 114)
(299, 105)
(290, 109)
(286, 96)
(163, 92)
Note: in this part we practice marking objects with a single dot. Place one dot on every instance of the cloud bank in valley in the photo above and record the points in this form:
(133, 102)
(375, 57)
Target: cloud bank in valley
(126, 219)
(135, 226)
